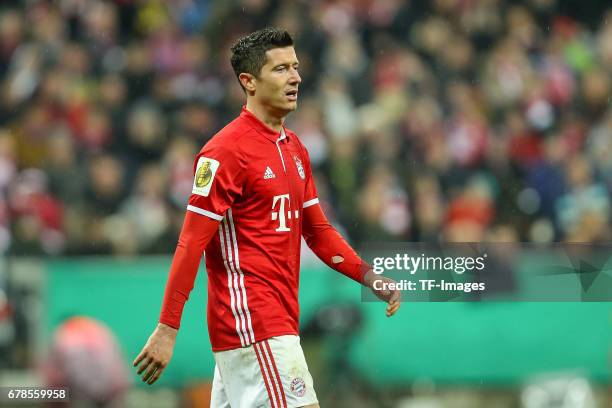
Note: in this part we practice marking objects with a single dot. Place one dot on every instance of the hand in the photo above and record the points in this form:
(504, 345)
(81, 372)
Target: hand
(392, 297)
(156, 353)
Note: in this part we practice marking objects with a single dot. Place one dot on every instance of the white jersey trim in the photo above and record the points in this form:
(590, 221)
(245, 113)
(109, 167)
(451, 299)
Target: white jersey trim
(235, 280)
(200, 211)
(237, 266)
(311, 202)
(230, 285)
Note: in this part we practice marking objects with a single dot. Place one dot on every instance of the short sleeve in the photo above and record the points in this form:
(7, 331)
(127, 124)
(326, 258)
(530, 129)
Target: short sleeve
(217, 183)
(310, 190)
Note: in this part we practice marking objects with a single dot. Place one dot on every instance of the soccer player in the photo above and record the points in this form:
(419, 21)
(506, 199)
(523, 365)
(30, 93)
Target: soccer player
(253, 199)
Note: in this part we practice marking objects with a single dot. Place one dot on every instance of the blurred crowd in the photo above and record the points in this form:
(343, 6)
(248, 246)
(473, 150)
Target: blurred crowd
(455, 120)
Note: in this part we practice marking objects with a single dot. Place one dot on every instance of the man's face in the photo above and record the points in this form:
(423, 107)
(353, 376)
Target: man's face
(277, 84)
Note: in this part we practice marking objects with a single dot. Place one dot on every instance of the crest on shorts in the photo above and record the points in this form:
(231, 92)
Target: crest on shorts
(205, 173)
(298, 387)
(300, 168)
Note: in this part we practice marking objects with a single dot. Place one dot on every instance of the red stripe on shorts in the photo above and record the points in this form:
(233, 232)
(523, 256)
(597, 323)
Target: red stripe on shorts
(276, 372)
(271, 396)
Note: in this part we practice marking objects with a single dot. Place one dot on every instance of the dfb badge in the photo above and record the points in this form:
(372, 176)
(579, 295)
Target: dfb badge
(205, 174)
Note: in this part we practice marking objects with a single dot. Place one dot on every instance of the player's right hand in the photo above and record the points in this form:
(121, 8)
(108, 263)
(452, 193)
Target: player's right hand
(156, 353)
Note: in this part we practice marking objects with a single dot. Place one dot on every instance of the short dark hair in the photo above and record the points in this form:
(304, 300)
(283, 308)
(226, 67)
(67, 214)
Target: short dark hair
(249, 52)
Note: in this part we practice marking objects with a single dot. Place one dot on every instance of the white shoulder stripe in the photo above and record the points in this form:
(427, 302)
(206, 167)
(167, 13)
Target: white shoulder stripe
(204, 212)
(311, 202)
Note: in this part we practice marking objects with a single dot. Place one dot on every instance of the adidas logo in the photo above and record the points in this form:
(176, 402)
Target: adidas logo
(269, 173)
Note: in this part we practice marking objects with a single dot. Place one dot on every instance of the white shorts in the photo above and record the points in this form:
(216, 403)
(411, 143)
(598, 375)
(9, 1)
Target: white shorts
(271, 374)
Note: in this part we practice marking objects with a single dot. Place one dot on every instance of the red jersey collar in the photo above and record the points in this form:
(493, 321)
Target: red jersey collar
(261, 127)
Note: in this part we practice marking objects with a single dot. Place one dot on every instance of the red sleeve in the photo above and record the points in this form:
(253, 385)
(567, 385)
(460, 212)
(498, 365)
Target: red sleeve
(197, 231)
(217, 183)
(218, 180)
(329, 245)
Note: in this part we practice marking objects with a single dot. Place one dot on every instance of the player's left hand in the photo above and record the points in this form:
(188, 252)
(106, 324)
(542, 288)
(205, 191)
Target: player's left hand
(392, 297)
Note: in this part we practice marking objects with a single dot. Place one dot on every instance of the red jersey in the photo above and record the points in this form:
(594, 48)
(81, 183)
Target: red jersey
(256, 182)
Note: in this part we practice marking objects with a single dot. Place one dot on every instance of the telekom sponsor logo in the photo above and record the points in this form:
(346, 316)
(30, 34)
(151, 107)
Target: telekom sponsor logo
(282, 212)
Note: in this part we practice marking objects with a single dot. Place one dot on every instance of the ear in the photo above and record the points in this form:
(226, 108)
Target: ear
(247, 81)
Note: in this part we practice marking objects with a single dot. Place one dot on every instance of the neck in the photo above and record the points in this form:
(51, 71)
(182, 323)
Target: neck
(271, 119)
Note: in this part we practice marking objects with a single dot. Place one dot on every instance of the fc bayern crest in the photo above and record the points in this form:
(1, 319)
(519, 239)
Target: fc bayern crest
(300, 168)
(298, 387)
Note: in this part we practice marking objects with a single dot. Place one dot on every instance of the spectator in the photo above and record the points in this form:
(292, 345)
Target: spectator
(408, 105)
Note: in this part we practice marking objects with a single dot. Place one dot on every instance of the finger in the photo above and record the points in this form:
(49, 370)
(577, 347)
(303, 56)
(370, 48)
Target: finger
(393, 300)
(149, 373)
(138, 359)
(143, 365)
(391, 310)
(146, 364)
(155, 376)
(395, 297)
(152, 369)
